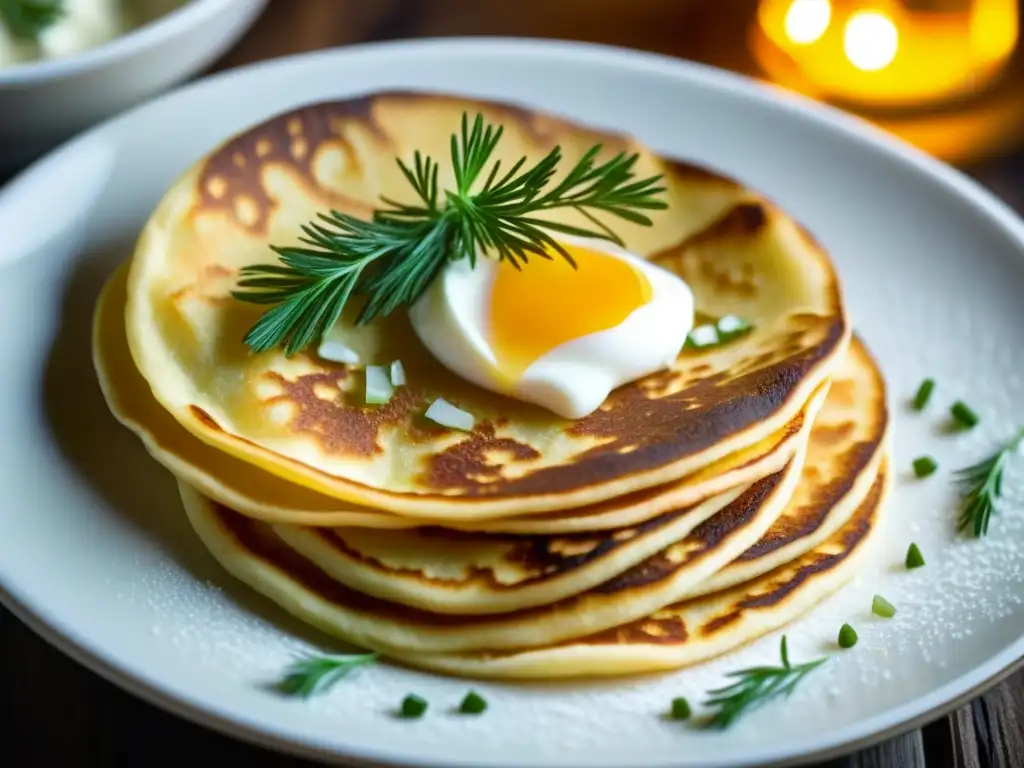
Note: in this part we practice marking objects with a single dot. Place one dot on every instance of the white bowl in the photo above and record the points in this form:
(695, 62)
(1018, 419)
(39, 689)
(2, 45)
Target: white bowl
(44, 103)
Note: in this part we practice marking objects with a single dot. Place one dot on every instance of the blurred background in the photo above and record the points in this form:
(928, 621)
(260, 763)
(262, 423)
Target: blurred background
(946, 75)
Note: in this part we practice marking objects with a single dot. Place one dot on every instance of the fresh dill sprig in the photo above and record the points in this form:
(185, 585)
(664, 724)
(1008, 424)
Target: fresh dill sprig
(756, 686)
(392, 258)
(27, 19)
(981, 487)
(316, 674)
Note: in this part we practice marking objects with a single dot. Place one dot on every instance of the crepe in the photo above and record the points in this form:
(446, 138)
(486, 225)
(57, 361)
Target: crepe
(690, 632)
(446, 571)
(449, 572)
(253, 553)
(262, 495)
(675, 634)
(849, 440)
(302, 418)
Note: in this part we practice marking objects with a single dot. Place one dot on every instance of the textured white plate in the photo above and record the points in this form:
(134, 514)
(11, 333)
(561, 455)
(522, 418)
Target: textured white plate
(96, 555)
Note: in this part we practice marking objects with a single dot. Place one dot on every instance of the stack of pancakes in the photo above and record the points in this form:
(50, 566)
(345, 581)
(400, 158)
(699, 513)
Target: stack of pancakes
(696, 509)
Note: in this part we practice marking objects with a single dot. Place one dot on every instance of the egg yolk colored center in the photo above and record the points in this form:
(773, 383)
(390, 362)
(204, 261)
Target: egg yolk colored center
(548, 303)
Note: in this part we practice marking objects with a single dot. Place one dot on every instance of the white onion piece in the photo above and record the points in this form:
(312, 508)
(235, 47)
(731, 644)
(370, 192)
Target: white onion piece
(397, 374)
(378, 386)
(731, 326)
(704, 336)
(337, 352)
(447, 415)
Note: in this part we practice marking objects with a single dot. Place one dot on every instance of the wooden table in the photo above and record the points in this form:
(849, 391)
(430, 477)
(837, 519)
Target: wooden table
(55, 713)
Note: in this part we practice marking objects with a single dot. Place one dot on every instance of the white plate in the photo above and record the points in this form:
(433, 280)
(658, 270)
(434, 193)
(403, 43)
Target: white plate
(97, 557)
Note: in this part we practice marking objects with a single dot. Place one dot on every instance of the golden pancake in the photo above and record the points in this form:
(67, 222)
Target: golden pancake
(303, 419)
(848, 440)
(673, 636)
(461, 572)
(447, 571)
(255, 554)
(697, 630)
(259, 494)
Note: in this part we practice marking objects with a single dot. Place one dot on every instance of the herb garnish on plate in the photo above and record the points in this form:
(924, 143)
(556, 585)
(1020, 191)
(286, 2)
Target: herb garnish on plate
(981, 487)
(755, 686)
(316, 674)
(392, 258)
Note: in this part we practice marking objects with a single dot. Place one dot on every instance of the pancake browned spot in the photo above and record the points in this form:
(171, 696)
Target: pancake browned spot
(480, 458)
(702, 540)
(338, 426)
(669, 630)
(253, 536)
(852, 534)
(843, 392)
(675, 425)
(683, 169)
(807, 518)
(546, 557)
(743, 220)
(234, 172)
(204, 418)
(833, 434)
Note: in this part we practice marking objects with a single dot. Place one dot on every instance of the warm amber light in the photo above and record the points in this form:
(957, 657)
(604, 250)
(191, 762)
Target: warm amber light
(870, 40)
(886, 52)
(807, 20)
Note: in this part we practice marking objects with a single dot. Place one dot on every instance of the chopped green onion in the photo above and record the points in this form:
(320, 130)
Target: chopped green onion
(924, 394)
(924, 466)
(447, 415)
(702, 336)
(378, 385)
(413, 706)
(397, 374)
(731, 326)
(337, 352)
(473, 704)
(847, 636)
(914, 557)
(963, 414)
(882, 607)
(680, 708)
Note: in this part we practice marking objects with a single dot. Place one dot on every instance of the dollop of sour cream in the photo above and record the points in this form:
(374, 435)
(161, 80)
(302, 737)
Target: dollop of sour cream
(552, 335)
(84, 24)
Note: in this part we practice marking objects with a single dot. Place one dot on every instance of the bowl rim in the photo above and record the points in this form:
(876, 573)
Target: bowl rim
(180, 19)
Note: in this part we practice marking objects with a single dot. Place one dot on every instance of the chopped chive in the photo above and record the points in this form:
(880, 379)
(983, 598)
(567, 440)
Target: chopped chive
(413, 706)
(847, 636)
(680, 708)
(924, 466)
(473, 704)
(924, 394)
(882, 607)
(914, 557)
(963, 414)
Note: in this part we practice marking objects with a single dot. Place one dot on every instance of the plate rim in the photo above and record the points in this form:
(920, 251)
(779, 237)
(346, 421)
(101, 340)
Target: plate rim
(177, 700)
